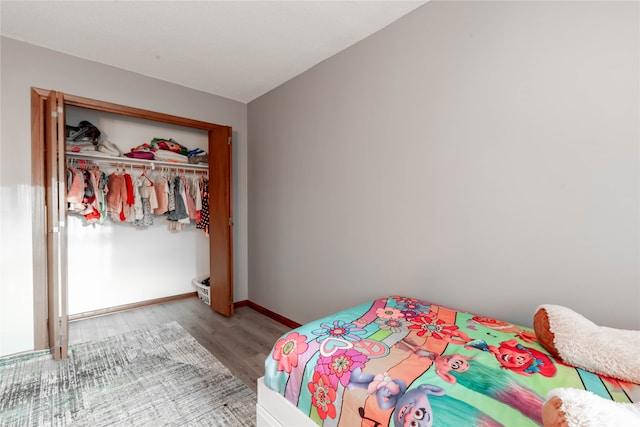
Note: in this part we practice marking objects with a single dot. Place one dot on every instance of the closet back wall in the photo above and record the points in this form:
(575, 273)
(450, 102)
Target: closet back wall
(23, 66)
(114, 264)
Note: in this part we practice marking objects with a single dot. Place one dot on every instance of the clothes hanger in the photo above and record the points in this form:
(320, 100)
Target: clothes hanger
(144, 175)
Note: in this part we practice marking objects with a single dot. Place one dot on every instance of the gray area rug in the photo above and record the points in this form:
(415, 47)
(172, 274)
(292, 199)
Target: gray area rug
(160, 376)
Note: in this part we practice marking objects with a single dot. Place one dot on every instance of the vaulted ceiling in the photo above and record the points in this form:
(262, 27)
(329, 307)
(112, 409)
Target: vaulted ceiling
(235, 49)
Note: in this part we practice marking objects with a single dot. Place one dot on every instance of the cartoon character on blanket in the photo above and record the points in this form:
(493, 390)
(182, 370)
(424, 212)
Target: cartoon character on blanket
(418, 367)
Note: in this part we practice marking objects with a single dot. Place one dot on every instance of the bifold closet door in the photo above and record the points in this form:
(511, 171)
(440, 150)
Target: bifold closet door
(57, 318)
(221, 221)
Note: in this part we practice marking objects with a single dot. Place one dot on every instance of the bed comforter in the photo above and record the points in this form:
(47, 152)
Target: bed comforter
(405, 362)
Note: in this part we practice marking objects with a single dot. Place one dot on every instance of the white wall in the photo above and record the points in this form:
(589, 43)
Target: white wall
(115, 263)
(482, 155)
(24, 66)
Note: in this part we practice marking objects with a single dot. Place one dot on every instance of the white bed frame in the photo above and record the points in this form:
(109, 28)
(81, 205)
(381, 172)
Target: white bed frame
(273, 410)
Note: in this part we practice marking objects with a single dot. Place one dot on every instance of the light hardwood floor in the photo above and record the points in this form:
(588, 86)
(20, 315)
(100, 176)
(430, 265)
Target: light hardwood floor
(241, 342)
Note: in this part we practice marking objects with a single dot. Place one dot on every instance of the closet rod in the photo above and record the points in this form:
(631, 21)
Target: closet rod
(137, 163)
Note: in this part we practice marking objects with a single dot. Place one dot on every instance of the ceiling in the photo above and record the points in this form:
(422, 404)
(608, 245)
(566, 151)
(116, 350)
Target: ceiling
(235, 49)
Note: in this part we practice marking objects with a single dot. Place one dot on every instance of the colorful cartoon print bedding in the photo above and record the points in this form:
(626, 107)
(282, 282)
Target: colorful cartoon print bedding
(400, 361)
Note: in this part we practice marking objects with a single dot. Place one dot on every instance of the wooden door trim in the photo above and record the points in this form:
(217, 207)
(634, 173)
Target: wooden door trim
(109, 107)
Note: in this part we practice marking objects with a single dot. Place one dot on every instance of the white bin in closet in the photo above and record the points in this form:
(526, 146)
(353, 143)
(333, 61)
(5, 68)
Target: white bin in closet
(203, 291)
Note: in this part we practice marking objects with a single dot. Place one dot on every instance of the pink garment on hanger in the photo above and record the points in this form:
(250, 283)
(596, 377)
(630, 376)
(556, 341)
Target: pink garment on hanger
(117, 196)
(75, 194)
(162, 190)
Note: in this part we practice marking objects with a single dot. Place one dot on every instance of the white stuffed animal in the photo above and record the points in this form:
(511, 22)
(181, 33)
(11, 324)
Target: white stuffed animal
(577, 341)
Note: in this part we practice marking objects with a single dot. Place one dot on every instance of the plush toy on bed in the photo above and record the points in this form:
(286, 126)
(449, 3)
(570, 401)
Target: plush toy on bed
(576, 341)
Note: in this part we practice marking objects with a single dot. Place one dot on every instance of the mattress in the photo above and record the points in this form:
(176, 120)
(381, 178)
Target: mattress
(403, 361)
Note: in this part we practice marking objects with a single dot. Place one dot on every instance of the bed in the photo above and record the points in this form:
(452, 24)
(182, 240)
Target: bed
(401, 361)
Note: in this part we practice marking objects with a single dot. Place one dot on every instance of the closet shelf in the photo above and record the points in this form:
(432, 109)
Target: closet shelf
(129, 161)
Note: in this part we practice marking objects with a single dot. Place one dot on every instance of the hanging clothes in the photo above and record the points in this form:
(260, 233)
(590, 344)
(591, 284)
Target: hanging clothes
(197, 193)
(84, 193)
(179, 216)
(127, 214)
(117, 196)
(75, 187)
(172, 194)
(203, 223)
(122, 198)
(161, 186)
(147, 201)
(182, 194)
(191, 203)
(98, 180)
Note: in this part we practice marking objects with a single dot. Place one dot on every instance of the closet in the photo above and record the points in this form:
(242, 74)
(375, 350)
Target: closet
(81, 267)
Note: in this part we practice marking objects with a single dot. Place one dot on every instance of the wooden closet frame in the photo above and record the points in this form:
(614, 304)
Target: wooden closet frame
(220, 200)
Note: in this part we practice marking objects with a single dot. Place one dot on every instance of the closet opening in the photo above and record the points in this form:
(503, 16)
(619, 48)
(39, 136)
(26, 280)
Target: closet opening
(88, 262)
